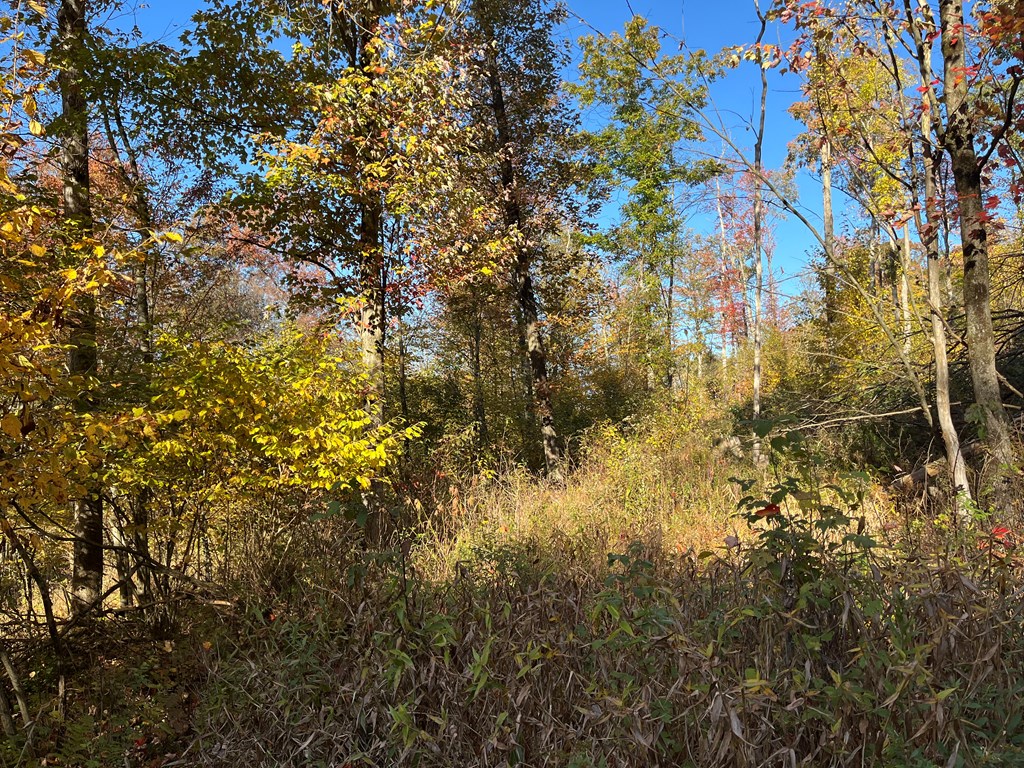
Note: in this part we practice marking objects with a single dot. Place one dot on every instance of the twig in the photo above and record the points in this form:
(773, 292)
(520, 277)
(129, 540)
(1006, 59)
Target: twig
(850, 419)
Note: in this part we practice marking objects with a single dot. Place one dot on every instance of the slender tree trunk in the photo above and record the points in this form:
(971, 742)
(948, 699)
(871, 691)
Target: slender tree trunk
(122, 563)
(87, 571)
(670, 327)
(892, 268)
(526, 296)
(403, 376)
(936, 270)
(905, 289)
(828, 233)
(479, 406)
(131, 175)
(371, 313)
(873, 277)
(371, 341)
(758, 239)
(355, 27)
(981, 351)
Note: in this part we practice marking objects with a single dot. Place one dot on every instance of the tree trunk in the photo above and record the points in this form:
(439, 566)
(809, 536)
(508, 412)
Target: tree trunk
(828, 233)
(372, 321)
(131, 176)
(904, 291)
(670, 327)
(479, 406)
(356, 26)
(87, 571)
(936, 269)
(403, 376)
(758, 241)
(526, 296)
(371, 313)
(981, 351)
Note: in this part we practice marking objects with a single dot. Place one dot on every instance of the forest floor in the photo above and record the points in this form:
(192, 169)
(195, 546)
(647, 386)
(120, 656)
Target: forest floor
(656, 609)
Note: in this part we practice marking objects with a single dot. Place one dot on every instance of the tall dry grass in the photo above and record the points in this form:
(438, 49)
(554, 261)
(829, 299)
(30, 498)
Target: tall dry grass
(605, 623)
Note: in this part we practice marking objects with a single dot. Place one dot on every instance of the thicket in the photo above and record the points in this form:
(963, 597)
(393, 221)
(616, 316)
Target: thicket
(341, 424)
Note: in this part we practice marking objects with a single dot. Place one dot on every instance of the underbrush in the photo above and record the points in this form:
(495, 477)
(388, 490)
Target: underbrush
(665, 661)
(669, 604)
(601, 625)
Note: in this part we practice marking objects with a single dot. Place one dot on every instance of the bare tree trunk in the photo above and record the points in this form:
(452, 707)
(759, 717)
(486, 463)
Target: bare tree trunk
(904, 292)
(950, 439)
(892, 267)
(828, 233)
(131, 174)
(403, 375)
(87, 571)
(371, 313)
(873, 278)
(981, 351)
(936, 270)
(929, 231)
(758, 237)
(356, 26)
(526, 296)
(371, 341)
(670, 327)
(479, 406)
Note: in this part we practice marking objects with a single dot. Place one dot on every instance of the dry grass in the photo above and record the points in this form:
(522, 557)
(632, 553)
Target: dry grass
(504, 634)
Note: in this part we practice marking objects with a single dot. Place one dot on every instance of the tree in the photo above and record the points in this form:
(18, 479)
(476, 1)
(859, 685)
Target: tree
(856, 107)
(517, 98)
(957, 116)
(958, 137)
(642, 147)
(70, 52)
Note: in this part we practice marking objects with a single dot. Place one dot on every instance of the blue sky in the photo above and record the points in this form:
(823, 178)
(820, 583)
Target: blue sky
(702, 25)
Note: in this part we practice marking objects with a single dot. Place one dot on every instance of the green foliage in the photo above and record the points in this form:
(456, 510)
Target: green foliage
(808, 526)
(653, 100)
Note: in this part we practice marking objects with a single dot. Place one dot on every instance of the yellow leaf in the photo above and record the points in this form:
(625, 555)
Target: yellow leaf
(173, 237)
(28, 101)
(35, 127)
(37, 250)
(35, 57)
(12, 426)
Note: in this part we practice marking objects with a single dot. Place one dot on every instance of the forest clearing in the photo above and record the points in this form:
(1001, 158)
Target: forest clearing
(512, 383)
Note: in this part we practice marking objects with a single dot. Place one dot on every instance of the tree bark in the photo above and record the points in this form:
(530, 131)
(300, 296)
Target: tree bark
(479, 406)
(526, 296)
(758, 238)
(936, 270)
(828, 233)
(87, 570)
(981, 351)
(355, 27)
(372, 324)
(131, 176)
(904, 290)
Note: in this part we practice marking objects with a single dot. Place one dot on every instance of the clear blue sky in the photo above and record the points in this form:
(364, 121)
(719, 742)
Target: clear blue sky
(707, 25)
